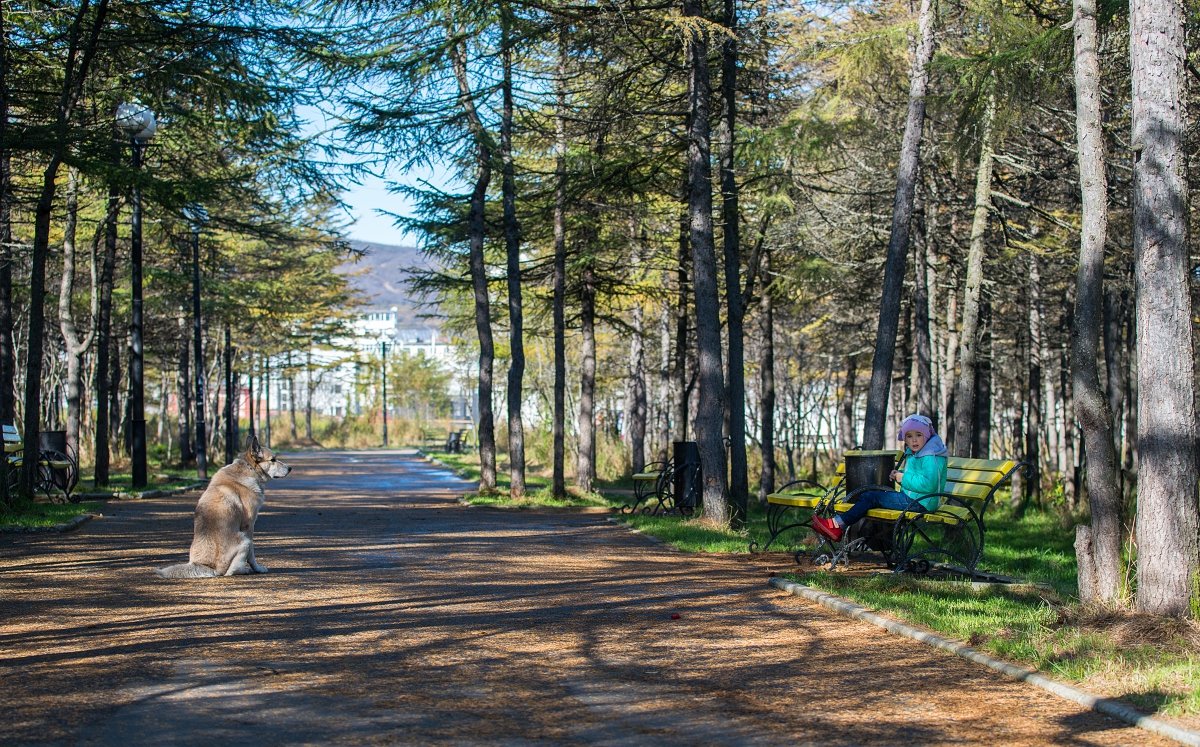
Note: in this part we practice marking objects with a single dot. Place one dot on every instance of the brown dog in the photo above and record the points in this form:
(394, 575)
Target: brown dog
(223, 539)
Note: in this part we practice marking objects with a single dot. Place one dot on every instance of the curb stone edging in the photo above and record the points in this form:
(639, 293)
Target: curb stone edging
(1108, 706)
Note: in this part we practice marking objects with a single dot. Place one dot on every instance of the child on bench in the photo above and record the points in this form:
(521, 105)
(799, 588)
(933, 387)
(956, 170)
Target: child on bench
(924, 474)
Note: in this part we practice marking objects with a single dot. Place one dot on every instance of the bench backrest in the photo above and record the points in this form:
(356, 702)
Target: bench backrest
(12, 439)
(971, 479)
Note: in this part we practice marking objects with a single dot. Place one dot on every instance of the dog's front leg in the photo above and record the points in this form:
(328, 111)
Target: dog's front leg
(238, 564)
(256, 566)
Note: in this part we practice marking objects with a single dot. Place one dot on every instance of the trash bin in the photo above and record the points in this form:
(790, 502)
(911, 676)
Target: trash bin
(686, 455)
(865, 468)
(869, 468)
(55, 444)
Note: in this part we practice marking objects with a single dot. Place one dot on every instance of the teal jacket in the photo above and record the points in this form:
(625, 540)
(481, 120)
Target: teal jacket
(924, 475)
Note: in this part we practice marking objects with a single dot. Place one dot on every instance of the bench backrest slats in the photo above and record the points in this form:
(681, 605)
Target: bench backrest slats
(965, 478)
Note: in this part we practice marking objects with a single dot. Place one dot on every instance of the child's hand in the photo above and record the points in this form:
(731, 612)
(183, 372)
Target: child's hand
(897, 475)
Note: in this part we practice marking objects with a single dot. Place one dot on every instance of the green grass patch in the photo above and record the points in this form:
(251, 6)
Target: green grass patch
(695, 534)
(32, 515)
(159, 478)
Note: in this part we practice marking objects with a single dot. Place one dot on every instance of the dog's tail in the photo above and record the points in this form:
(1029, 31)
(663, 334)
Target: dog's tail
(186, 570)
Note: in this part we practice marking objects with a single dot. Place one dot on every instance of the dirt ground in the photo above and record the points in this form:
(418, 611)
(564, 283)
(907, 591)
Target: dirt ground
(394, 615)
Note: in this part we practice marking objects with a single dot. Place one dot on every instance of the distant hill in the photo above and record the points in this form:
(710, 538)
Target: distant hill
(382, 276)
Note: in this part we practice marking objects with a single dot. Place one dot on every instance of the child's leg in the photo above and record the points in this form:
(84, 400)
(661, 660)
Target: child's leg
(868, 500)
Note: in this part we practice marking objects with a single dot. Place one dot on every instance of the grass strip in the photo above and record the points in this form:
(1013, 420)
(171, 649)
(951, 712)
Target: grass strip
(39, 515)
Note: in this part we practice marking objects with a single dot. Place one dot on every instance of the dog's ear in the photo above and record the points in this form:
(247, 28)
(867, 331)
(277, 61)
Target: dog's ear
(253, 448)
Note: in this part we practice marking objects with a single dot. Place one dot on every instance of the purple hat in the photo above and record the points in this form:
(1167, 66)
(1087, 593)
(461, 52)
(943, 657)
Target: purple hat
(918, 423)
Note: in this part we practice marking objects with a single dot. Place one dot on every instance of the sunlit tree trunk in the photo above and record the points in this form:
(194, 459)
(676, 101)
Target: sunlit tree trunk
(767, 385)
(76, 345)
(964, 389)
(1167, 513)
(558, 479)
(710, 414)
(476, 231)
(1099, 555)
(902, 208)
(512, 246)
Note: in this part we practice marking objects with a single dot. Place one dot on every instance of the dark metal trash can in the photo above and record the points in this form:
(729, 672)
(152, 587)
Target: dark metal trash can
(55, 442)
(869, 468)
(686, 455)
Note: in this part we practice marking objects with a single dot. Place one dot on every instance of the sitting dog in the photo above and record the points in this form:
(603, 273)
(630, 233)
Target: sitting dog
(223, 540)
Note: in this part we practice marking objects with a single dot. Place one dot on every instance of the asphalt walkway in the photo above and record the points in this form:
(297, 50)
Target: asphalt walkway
(394, 615)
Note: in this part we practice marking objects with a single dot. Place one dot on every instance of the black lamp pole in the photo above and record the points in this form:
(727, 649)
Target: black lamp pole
(139, 123)
(137, 407)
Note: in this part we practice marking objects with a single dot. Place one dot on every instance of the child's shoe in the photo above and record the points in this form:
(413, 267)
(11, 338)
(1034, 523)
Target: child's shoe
(827, 528)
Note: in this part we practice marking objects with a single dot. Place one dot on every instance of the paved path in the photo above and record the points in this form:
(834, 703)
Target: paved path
(394, 615)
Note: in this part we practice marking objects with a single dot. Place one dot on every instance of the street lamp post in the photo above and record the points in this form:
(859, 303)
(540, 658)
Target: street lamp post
(383, 344)
(197, 216)
(139, 124)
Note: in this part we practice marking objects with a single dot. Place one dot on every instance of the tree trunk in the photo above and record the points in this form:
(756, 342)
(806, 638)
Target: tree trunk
(681, 325)
(512, 246)
(636, 392)
(922, 347)
(586, 458)
(950, 361)
(964, 390)
(902, 208)
(1099, 556)
(664, 377)
(981, 434)
(477, 231)
(36, 333)
(710, 415)
(846, 429)
(558, 480)
(1034, 422)
(184, 388)
(8, 408)
(767, 373)
(308, 403)
(76, 346)
(78, 60)
(1167, 519)
(291, 383)
(1115, 367)
(739, 479)
(104, 333)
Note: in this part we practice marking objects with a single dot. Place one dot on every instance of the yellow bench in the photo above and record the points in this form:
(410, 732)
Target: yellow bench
(58, 473)
(654, 481)
(955, 531)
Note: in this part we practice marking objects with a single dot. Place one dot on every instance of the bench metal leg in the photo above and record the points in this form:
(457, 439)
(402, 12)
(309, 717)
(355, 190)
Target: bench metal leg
(916, 543)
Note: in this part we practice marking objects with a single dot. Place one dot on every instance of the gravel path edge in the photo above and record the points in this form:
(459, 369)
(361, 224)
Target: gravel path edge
(1107, 706)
